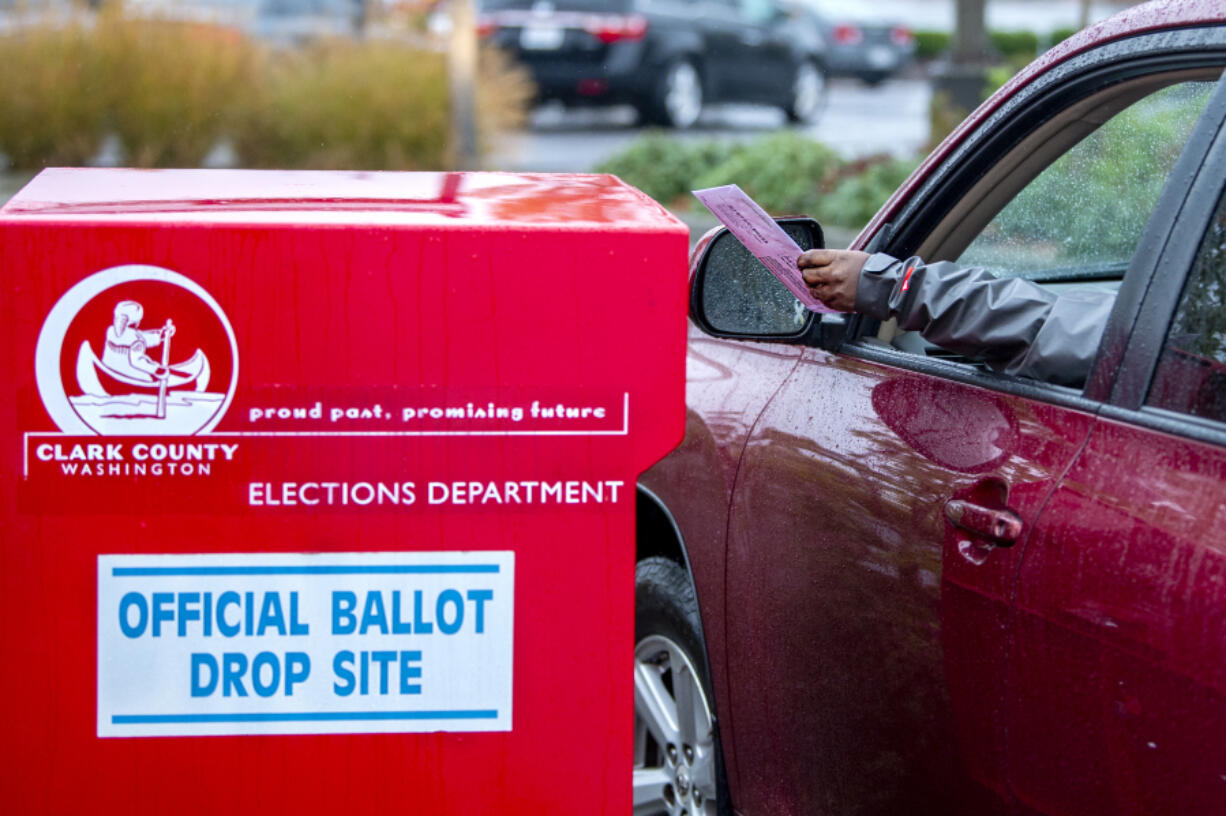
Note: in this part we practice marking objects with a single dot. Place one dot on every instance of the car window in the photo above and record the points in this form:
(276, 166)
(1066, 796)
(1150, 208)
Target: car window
(1065, 205)
(1191, 373)
(757, 11)
(1083, 216)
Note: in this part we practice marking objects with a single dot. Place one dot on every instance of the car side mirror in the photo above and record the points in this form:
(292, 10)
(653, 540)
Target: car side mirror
(733, 295)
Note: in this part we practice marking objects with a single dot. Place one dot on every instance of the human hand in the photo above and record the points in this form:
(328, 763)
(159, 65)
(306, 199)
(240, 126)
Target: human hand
(832, 275)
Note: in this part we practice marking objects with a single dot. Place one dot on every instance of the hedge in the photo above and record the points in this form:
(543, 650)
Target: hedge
(788, 174)
(1011, 45)
(173, 91)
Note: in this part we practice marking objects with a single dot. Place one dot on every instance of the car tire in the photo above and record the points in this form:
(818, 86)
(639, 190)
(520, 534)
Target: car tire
(678, 99)
(678, 767)
(808, 99)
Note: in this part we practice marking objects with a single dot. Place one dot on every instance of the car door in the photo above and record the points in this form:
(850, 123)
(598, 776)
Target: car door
(888, 491)
(720, 23)
(764, 68)
(1119, 672)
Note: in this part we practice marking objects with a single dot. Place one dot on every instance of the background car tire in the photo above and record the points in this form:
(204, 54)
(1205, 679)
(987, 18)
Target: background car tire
(678, 98)
(678, 766)
(808, 99)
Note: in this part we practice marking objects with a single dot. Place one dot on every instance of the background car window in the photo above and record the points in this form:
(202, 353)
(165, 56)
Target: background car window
(1083, 215)
(758, 11)
(1191, 375)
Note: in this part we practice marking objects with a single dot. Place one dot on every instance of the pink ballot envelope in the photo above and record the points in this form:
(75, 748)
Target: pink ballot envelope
(762, 237)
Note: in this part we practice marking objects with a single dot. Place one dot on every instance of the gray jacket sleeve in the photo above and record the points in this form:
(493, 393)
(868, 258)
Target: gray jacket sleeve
(1015, 326)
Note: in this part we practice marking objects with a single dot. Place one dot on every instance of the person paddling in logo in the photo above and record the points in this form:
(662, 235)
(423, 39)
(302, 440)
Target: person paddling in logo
(126, 343)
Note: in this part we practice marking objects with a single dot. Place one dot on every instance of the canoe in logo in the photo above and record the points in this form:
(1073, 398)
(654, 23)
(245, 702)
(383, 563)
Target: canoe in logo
(136, 351)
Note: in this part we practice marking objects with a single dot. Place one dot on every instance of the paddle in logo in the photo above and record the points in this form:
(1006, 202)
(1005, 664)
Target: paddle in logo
(136, 351)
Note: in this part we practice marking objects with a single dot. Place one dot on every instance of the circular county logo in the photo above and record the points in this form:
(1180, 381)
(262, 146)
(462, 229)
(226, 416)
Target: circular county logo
(136, 351)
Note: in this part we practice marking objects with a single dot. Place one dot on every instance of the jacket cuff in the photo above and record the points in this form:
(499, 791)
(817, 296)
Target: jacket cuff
(878, 279)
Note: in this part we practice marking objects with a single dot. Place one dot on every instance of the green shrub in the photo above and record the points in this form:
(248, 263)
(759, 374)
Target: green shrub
(864, 187)
(53, 97)
(1015, 45)
(944, 116)
(173, 86)
(931, 44)
(321, 109)
(788, 174)
(172, 91)
(664, 167)
(375, 105)
(504, 96)
(784, 172)
(1012, 45)
(996, 78)
(1059, 35)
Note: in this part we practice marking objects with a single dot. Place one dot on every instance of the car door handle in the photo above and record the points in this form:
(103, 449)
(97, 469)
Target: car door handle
(1001, 526)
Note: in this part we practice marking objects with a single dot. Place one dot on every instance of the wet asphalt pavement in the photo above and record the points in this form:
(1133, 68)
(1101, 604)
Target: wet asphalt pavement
(858, 121)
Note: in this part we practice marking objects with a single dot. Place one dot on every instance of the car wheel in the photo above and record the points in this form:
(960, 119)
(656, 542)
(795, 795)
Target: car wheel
(808, 94)
(677, 767)
(677, 102)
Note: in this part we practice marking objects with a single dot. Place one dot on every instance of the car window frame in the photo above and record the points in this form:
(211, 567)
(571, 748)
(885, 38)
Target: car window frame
(1091, 72)
(1142, 352)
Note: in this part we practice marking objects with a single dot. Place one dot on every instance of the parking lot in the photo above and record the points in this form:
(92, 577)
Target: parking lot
(858, 121)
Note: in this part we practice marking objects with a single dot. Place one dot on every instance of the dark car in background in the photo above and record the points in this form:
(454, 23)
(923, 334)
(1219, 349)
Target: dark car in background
(877, 577)
(860, 42)
(668, 58)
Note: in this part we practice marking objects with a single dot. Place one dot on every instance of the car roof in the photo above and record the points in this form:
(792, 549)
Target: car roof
(1159, 15)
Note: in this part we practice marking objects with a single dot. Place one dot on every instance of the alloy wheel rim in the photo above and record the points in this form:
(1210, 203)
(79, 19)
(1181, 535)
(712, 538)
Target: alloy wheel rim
(683, 95)
(807, 91)
(674, 736)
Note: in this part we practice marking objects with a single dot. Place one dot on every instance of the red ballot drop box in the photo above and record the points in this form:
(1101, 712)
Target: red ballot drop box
(319, 488)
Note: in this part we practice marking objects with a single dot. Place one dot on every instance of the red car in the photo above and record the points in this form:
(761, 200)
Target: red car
(877, 577)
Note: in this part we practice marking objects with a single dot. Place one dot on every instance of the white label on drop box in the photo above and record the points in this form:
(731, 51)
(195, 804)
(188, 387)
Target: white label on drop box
(334, 643)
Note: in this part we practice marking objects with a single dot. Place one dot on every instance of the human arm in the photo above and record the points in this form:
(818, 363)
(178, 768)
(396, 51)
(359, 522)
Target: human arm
(1014, 325)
